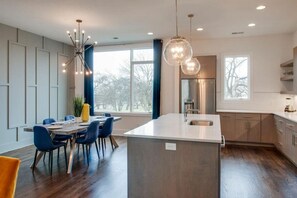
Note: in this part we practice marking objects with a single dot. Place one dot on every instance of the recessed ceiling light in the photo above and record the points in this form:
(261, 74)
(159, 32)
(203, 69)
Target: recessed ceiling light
(150, 33)
(199, 29)
(251, 25)
(261, 7)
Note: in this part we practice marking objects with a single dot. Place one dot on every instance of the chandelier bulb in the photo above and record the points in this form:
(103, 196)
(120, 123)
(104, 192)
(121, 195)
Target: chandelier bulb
(89, 37)
(81, 72)
(76, 72)
(95, 42)
(64, 70)
(63, 64)
(87, 73)
(74, 30)
(82, 31)
(67, 32)
(91, 72)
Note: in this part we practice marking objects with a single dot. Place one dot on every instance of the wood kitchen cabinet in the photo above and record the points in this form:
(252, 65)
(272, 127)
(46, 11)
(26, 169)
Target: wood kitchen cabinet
(248, 127)
(287, 138)
(207, 70)
(268, 129)
(228, 126)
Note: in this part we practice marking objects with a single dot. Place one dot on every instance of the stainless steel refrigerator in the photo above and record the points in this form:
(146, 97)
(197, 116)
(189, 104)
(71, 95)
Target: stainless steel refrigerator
(198, 94)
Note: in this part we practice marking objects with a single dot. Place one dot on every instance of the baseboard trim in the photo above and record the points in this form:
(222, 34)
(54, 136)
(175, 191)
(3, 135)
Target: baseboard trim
(250, 144)
(15, 145)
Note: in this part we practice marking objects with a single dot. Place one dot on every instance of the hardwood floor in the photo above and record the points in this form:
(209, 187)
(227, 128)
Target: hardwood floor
(245, 172)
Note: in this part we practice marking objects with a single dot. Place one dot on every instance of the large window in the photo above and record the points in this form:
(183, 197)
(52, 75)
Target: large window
(123, 80)
(236, 77)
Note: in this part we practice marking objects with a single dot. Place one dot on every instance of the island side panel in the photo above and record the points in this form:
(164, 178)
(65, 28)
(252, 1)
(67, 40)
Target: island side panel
(192, 170)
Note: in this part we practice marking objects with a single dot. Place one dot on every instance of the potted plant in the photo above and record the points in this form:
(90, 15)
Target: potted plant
(78, 103)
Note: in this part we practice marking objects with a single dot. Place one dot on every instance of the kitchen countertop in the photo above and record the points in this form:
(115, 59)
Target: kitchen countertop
(173, 127)
(290, 116)
(243, 111)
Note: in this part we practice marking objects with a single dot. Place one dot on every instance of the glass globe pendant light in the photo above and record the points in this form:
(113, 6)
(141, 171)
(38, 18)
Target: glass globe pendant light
(192, 65)
(178, 49)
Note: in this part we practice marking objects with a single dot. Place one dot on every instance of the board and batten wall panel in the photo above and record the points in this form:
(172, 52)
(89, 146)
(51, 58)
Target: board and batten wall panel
(7, 33)
(17, 85)
(54, 102)
(29, 84)
(43, 84)
(62, 90)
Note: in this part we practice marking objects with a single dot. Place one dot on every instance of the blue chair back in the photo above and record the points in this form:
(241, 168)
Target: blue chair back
(92, 132)
(42, 138)
(107, 114)
(69, 117)
(48, 121)
(107, 128)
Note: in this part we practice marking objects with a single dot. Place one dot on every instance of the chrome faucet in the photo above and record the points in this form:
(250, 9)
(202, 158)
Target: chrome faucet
(190, 110)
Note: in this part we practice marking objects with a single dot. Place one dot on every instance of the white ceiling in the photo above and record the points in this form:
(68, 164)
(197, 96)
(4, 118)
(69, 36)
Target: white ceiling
(130, 20)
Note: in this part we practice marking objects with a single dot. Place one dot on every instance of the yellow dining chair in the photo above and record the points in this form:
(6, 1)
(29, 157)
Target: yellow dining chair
(9, 168)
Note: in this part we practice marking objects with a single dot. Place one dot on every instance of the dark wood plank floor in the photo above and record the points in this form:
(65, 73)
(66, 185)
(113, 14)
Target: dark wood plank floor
(245, 172)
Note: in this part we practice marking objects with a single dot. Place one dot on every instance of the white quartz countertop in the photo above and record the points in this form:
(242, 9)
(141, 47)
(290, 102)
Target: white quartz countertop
(173, 127)
(290, 116)
(243, 111)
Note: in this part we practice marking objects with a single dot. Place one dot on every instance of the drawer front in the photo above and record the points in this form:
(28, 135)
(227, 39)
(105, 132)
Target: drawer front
(291, 125)
(227, 115)
(248, 116)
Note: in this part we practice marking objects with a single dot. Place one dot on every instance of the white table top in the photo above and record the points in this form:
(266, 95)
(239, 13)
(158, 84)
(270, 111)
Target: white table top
(173, 127)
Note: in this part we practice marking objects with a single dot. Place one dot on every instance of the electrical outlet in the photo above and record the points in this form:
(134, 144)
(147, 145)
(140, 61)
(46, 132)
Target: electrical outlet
(170, 146)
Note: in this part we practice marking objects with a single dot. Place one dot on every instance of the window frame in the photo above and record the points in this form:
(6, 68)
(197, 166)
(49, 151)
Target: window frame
(249, 77)
(129, 47)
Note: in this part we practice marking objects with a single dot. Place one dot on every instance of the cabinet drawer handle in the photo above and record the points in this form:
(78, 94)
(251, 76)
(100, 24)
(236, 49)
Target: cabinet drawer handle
(291, 125)
(223, 142)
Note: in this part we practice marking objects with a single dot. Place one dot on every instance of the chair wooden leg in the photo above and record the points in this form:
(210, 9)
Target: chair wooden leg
(65, 156)
(111, 142)
(34, 160)
(97, 150)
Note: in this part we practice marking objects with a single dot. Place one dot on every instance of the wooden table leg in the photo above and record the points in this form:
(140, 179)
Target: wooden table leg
(39, 156)
(114, 141)
(72, 150)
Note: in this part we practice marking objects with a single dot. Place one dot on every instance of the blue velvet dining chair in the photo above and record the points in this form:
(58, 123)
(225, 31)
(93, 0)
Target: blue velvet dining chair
(106, 114)
(90, 138)
(44, 143)
(57, 138)
(105, 132)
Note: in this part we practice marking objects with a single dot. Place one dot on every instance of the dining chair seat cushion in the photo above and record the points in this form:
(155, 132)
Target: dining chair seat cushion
(8, 176)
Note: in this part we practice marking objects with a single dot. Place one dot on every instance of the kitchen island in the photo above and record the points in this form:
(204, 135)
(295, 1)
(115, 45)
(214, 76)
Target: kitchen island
(168, 157)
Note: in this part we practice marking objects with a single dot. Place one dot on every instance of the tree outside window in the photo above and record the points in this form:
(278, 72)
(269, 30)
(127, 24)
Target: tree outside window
(236, 78)
(123, 80)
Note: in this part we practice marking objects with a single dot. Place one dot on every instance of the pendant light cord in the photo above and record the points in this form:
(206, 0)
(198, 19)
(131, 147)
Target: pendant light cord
(190, 16)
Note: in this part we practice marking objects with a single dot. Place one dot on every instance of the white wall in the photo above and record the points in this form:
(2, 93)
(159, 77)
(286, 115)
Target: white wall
(267, 52)
(295, 39)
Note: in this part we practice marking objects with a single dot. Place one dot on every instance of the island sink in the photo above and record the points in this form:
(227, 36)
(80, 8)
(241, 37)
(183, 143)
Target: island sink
(201, 122)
